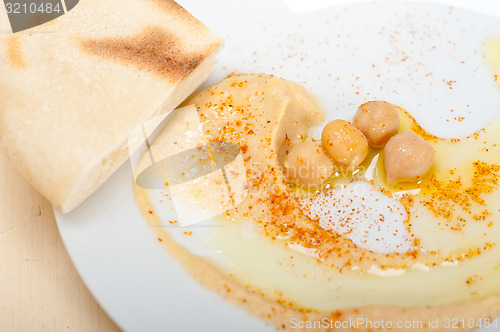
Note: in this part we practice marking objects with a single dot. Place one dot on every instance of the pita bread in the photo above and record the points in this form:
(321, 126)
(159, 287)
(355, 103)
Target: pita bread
(72, 89)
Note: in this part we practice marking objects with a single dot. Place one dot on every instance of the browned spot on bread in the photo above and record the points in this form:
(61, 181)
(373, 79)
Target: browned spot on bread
(154, 50)
(174, 9)
(14, 52)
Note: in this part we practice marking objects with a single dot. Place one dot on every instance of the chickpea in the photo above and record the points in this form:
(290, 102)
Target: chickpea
(344, 143)
(378, 120)
(308, 165)
(407, 157)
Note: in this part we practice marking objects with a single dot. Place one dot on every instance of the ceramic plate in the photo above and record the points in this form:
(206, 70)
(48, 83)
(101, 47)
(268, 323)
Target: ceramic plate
(424, 57)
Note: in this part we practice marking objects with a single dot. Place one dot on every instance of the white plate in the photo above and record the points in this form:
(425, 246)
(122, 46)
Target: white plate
(338, 52)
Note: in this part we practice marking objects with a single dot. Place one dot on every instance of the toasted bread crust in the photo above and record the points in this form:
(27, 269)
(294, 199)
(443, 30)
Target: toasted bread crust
(173, 8)
(14, 52)
(155, 50)
(72, 89)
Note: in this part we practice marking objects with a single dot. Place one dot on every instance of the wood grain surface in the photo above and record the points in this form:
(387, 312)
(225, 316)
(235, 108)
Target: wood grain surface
(40, 289)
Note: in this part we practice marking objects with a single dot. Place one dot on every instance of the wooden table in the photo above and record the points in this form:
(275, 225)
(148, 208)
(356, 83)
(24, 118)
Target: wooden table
(40, 289)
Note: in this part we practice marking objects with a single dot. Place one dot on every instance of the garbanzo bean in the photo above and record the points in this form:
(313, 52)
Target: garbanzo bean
(308, 165)
(378, 120)
(344, 143)
(407, 157)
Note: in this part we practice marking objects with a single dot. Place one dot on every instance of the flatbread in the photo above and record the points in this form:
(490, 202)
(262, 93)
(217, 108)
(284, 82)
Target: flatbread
(72, 89)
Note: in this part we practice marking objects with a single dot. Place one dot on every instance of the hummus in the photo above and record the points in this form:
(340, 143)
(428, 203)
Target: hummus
(286, 261)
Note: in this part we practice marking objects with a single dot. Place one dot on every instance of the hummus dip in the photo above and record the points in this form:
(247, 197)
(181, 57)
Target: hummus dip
(285, 262)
